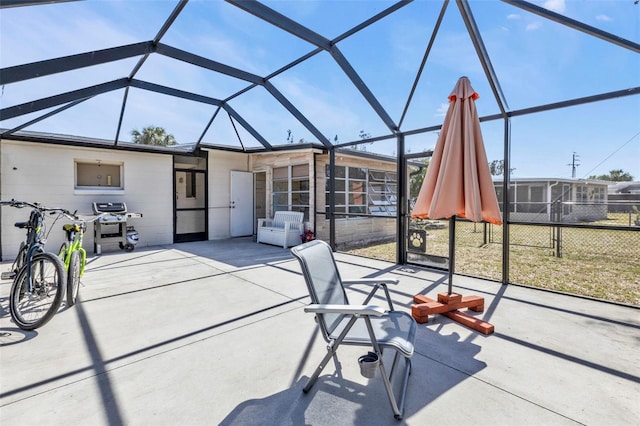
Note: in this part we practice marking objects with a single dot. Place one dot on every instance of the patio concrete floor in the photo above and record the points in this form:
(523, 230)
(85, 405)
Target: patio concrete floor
(214, 333)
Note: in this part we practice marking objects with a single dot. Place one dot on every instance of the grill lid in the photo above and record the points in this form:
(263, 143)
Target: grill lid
(116, 207)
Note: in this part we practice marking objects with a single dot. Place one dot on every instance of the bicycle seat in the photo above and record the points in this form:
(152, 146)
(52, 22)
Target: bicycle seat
(21, 225)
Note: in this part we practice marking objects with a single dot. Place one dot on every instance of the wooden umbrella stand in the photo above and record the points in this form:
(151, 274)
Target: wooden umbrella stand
(448, 304)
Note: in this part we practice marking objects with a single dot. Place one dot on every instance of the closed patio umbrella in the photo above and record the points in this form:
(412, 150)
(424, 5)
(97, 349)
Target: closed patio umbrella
(458, 180)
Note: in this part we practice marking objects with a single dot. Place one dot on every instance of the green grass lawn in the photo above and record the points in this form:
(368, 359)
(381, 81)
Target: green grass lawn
(597, 263)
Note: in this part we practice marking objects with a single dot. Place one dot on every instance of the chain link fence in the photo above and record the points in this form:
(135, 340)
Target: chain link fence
(588, 257)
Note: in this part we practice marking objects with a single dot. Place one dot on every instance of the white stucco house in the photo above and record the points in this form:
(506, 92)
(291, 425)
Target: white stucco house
(555, 199)
(215, 194)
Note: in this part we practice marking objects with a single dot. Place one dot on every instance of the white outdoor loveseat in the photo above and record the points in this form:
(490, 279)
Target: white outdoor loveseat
(283, 230)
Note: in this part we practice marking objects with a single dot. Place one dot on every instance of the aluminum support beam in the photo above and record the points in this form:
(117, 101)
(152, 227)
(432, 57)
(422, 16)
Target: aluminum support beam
(174, 92)
(206, 63)
(362, 87)
(203, 99)
(121, 117)
(246, 125)
(402, 219)
(68, 63)
(165, 27)
(432, 39)
(576, 25)
(269, 15)
(43, 117)
(506, 232)
(372, 20)
(251, 78)
(17, 3)
(297, 114)
(63, 98)
(476, 38)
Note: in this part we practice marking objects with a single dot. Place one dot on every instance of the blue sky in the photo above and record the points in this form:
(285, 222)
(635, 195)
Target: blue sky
(537, 62)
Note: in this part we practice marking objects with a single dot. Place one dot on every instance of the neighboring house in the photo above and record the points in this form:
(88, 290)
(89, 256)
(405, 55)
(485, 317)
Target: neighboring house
(219, 193)
(623, 196)
(557, 200)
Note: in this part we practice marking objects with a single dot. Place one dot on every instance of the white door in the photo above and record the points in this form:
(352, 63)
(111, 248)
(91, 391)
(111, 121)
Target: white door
(241, 204)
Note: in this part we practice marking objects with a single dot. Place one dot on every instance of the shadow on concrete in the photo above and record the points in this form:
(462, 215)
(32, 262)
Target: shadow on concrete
(15, 335)
(336, 400)
(239, 252)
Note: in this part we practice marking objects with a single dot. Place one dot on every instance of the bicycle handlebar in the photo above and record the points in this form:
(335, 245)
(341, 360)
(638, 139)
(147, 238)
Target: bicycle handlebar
(52, 210)
(20, 204)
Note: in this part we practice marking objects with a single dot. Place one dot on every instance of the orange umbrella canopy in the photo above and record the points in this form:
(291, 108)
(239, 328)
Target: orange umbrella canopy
(458, 180)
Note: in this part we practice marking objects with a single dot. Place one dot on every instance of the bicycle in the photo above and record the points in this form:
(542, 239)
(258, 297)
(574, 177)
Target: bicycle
(38, 276)
(73, 255)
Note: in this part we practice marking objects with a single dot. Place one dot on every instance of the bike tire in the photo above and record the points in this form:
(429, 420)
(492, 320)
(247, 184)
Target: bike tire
(62, 253)
(73, 278)
(22, 255)
(32, 310)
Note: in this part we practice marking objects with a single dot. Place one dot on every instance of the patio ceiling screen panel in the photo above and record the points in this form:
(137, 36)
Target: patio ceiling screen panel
(396, 46)
(228, 35)
(271, 119)
(331, 18)
(167, 71)
(46, 31)
(51, 85)
(543, 144)
(183, 118)
(227, 129)
(93, 118)
(421, 142)
(560, 51)
(452, 56)
(321, 91)
(322, 42)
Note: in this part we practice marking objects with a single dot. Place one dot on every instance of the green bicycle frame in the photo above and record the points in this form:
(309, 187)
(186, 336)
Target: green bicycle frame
(74, 232)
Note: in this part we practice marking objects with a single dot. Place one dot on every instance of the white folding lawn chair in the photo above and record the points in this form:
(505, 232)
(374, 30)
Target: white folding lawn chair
(361, 325)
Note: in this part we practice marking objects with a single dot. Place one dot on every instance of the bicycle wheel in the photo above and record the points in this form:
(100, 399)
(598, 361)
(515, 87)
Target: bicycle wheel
(33, 308)
(22, 256)
(62, 253)
(73, 278)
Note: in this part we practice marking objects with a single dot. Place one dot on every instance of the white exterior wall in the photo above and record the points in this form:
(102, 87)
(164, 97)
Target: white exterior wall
(221, 163)
(45, 173)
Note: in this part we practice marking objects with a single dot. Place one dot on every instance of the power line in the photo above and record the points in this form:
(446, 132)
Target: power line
(612, 154)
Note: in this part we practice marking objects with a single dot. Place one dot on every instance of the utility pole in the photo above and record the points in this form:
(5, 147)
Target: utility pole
(575, 162)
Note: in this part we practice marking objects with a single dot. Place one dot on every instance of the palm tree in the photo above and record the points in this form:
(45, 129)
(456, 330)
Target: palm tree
(153, 135)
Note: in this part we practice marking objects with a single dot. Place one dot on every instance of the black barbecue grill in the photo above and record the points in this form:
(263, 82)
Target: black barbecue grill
(112, 226)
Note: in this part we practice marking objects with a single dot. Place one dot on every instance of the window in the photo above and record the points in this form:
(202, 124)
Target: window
(98, 175)
(191, 185)
(291, 189)
(382, 193)
(599, 195)
(362, 191)
(582, 194)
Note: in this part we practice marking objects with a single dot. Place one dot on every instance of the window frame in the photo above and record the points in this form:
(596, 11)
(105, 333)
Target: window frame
(83, 167)
(298, 186)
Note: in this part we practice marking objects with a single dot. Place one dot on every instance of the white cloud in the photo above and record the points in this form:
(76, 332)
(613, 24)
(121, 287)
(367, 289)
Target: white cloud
(555, 5)
(603, 17)
(513, 16)
(442, 110)
(533, 26)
